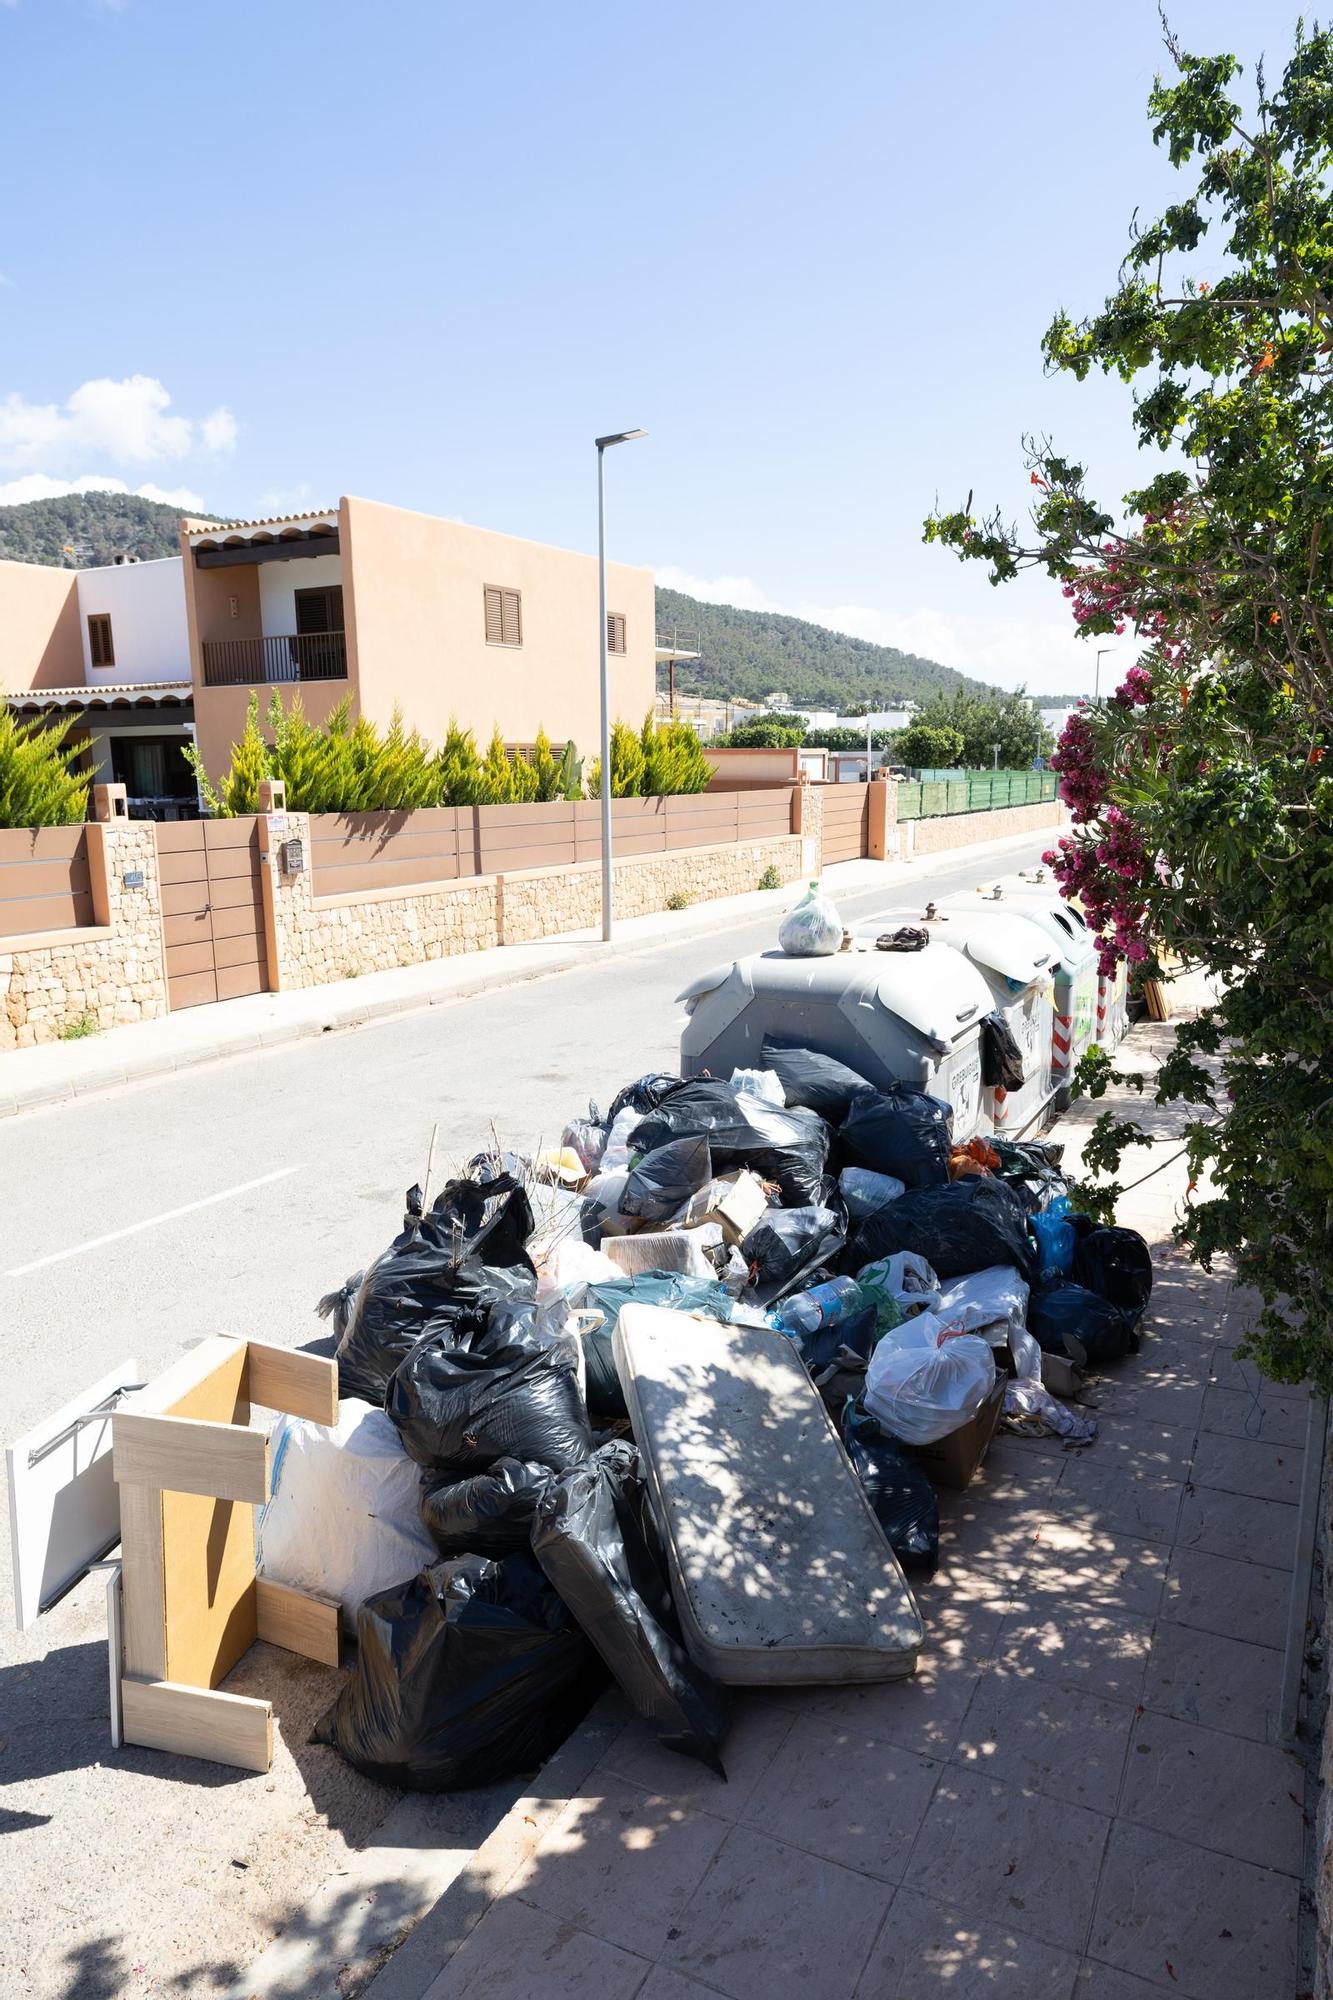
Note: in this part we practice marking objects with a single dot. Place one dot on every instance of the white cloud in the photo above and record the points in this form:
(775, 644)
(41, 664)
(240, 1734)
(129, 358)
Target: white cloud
(130, 421)
(1005, 647)
(41, 486)
(218, 430)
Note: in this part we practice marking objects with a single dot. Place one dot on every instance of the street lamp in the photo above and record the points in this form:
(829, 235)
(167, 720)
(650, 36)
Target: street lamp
(1102, 651)
(603, 444)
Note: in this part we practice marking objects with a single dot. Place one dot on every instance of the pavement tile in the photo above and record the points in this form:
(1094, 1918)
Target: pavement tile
(1011, 1474)
(1243, 1465)
(770, 1919)
(516, 1949)
(993, 1537)
(1167, 1395)
(1079, 1645)
(1223, 1792)
(1059, 1741)
(1236, 1524)
(1103, 1982)
(1117, 1501)
(926, 1947)
(840, 1793)
(1223, 1683)
(1011, 1856)
(1230, 1373)
(1135, 1444)
(1277, 1416)
(1075, 1558)
(1196, 1923)
(621, 1864)
(1240, 1600)
(664, 1984)
(753, 1739)
(923, 1713)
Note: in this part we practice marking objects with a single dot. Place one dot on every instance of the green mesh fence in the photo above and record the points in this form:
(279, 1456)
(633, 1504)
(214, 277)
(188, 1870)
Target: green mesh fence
(982, 791)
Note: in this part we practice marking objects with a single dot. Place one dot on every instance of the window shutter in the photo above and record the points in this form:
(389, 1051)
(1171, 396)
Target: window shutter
(615, 632)
(511, 619)
(493, 617)
(99, 640)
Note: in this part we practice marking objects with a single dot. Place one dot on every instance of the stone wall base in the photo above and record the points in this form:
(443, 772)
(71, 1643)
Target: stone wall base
(935, 836)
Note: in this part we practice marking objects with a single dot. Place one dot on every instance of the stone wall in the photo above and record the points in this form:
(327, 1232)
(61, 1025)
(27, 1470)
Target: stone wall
(542, 902)
(111, 974)
(934, 836)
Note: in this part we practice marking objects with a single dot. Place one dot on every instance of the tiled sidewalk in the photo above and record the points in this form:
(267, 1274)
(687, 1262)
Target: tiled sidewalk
(1078, 1797)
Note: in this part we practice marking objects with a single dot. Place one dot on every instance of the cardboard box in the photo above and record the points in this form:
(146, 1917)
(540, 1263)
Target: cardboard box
(736, 1202)
(952, 1460)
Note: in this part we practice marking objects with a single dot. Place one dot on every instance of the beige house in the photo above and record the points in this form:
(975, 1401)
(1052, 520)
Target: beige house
(397, 609)
(361, 601)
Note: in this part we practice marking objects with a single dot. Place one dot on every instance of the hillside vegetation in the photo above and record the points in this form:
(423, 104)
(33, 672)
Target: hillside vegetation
(754, 653)
(83, 530)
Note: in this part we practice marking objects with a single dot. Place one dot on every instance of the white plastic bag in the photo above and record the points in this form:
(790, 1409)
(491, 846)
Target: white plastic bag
(343, 1520)
(813, 928)
(923, 1382)
(865, 1192)
(901, 1284)
(616, 1152)
(570, 1266)
(993, 1302)
(764, 1083)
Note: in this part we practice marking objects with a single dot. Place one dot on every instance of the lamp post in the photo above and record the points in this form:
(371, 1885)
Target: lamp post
(1102, 651)
(603, 444)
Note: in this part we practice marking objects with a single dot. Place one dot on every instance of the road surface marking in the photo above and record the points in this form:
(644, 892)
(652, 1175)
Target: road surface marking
(133, 1228)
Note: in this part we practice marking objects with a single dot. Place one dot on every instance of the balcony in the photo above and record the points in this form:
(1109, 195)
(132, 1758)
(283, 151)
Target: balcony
(293, 657)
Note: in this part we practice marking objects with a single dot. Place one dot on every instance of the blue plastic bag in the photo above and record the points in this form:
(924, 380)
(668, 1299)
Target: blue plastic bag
(1055, 1240)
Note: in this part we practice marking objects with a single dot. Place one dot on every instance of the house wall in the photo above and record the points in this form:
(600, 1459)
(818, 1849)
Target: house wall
(39, 628)
(413, 602)
(278, 583)
(146, 605)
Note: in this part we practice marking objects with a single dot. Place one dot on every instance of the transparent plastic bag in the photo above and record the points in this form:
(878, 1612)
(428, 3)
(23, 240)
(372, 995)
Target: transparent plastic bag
(923, 1382)
(813, 928)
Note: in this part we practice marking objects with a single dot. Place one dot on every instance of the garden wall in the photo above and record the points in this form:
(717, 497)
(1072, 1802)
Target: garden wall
(934, 836)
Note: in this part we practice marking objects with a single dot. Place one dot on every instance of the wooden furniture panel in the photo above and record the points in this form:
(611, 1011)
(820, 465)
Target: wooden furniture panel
(198, 1722)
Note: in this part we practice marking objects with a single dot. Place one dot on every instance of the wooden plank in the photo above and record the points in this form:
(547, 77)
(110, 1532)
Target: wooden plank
(196, 957)
(246, 948)
(195, 989)
(198, 1722)
(388, 846)
(226, 864)
(43, 878)
(238, 892)
(185, 929)
(223, 833)
(299, 1384)
(143, 1615)
(190, 864)
(236, 981)
(190, 1455)
(40, 843)
(302, 1624)
(423, 821)
(184, 899)
(180, 836)
(413, 873)
(237, 921)
(46, 913)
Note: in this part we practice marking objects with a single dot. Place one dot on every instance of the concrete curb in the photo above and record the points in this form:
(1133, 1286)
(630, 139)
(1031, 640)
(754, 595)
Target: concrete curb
(341, 1006)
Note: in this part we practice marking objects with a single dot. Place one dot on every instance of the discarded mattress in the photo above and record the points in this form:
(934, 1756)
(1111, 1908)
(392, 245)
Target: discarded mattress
(779, 1568)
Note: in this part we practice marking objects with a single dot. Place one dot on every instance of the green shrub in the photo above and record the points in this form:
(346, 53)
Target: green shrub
(679, 899)
(673, 759)
(458, 769)
(927, 746)
(627, 766)
(37, 786)
(81, 1026)
(770, 879)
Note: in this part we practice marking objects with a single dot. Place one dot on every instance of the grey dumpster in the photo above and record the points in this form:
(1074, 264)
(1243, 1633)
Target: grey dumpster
(1018, 963)
(1075, 979)
(911, 1016)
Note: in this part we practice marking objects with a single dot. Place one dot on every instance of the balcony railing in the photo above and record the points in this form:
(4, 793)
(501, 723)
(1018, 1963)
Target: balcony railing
(296, 656)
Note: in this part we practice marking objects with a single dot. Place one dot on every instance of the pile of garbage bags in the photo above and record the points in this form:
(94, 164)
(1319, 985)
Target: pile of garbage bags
(926, 1286)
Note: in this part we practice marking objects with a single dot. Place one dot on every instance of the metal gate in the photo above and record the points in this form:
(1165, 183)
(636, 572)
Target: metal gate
(846, 822)
(212, 910)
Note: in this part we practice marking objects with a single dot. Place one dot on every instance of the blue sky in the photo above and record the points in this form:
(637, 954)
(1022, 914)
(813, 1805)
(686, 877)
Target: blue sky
(264, 254)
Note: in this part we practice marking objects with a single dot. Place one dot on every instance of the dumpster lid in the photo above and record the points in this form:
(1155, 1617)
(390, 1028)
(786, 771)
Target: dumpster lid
(935, 991)
(1002, 941)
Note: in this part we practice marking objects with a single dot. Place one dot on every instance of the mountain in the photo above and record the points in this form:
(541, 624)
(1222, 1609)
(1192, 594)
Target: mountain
(755, 653)
(83, 530)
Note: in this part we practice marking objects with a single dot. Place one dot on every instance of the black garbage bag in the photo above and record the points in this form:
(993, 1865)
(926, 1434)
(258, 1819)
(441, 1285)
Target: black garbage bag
(1087, 1329)
(1117, 1264)
(441, 1274)
(470, 1673)
(1001, 1057)
(644, 1094)
(967, 1225)
(1031, 1168)
(837, 1356)
(490, 1514)
(500, 1389)
(587, 1138)
(898, 1489)
(597, 1542)
(664, 1179)
(606, 1398)
(784, 1144)
(817, 1082)
(787, 1244)
(899, 1131)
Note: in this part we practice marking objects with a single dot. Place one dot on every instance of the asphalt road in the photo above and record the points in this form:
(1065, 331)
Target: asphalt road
(231, 1197)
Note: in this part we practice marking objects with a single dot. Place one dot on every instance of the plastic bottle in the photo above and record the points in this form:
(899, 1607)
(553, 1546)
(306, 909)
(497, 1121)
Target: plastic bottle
(823, 1305)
